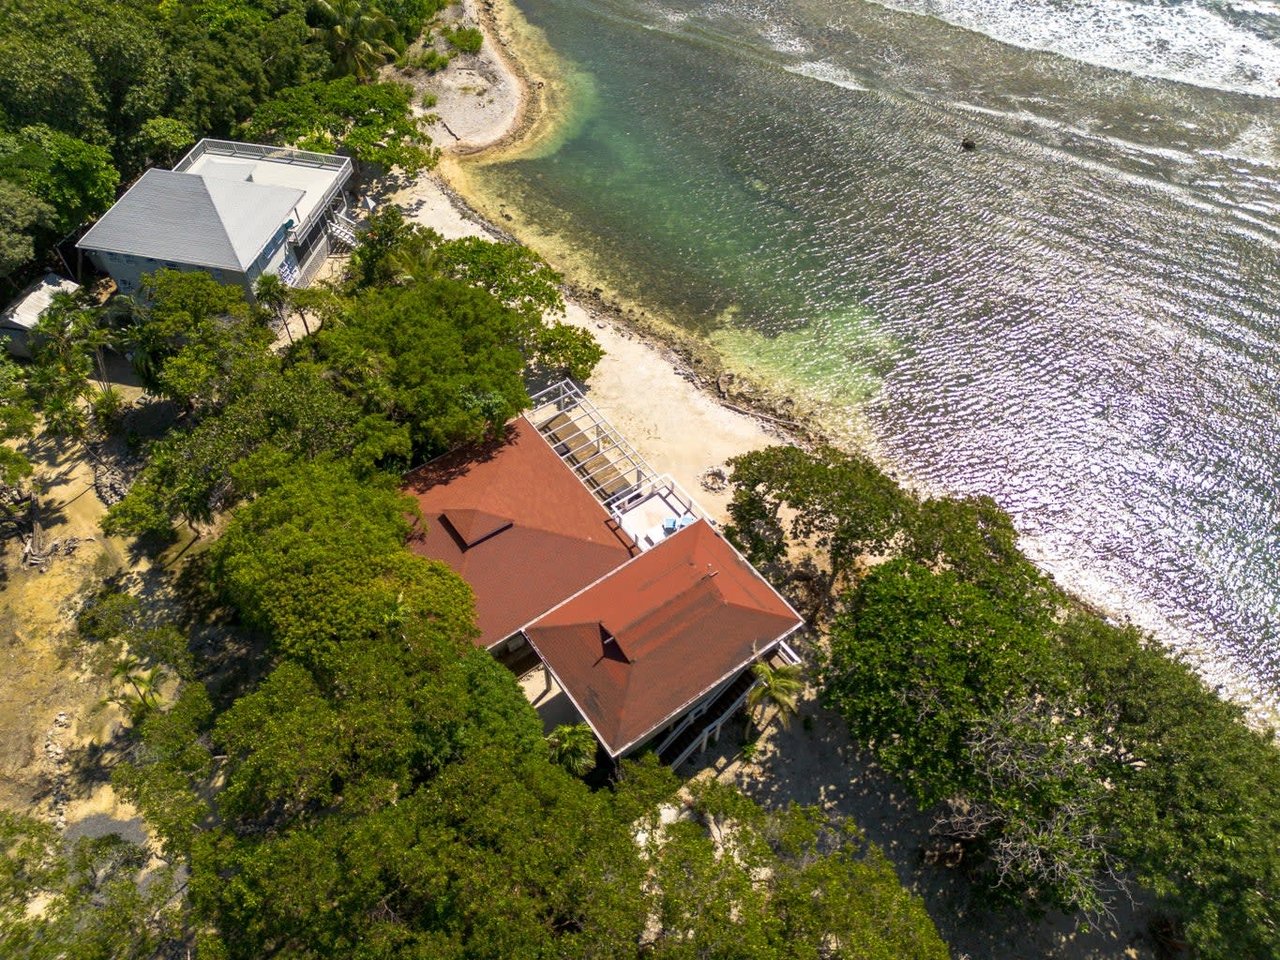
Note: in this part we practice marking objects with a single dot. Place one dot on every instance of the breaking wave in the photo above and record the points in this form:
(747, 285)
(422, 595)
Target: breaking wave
(1231, 45)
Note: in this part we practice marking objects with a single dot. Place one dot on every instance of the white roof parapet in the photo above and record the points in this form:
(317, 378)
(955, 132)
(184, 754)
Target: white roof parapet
(339, 168)
(262, 151)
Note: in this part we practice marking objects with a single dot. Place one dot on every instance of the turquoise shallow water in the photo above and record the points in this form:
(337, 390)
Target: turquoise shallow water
(1080, 317)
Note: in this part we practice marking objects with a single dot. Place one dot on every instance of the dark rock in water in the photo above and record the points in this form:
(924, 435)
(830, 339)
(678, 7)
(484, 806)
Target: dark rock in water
(968, 143)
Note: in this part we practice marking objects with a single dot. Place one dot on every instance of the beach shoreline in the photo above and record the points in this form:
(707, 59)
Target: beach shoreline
(522, 54)
(668, 398)
(694, 415)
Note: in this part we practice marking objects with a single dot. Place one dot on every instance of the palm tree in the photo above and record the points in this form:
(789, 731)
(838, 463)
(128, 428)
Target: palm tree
(145, 694)
(573, 746)
(356, 34)
(273, 296)
(397, 616)
(67, 337)
(415, 257)
(315, 301)
(777, 686)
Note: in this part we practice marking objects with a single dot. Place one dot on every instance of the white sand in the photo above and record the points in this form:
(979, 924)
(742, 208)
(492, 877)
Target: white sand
(679, 428)
(479, 99)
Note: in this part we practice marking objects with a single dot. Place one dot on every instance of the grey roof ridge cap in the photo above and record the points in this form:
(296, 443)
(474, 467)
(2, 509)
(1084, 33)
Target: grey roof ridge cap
(275, 187)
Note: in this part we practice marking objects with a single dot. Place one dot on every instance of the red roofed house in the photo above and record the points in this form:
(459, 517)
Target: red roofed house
(517, 526)
(646, 622)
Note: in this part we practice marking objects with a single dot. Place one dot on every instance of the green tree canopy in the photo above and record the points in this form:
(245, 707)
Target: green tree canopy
(277, 416)
(916, 658)
(374, 122)
(75, 178)
(89, 902)
(210, 323)
(17, 419)
(977, 540)
(68, 343)
(842, 503)
(573, 747)
(50, 80)
(319, 561)
(161, 139)
(230, 56)
(731, 879)
(357, 35)
(1195, 804)
(22, 216)
(442, 357)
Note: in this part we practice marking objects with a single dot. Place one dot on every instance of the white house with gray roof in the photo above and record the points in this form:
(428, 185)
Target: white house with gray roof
(237, 210)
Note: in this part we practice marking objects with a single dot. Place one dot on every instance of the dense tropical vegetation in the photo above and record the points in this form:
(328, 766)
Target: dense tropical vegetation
(350, 776)
(1069, 757)
(93, 92)
(359, 779)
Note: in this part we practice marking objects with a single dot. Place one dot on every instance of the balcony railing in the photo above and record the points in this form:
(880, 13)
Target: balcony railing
(341, 166)
(259, 151)
(716, 709)
(598, 455)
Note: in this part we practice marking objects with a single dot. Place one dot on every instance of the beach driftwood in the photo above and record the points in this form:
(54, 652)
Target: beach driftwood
(36, 551)
(763, 416)
(39, 556)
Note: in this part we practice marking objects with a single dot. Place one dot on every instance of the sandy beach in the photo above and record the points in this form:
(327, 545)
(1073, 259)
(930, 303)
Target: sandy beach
(640, 386)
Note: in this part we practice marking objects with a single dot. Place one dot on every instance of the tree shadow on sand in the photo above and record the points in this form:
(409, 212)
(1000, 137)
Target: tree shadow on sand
(815, 762)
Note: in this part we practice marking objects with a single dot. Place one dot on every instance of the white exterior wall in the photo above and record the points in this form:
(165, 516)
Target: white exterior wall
(127, 270)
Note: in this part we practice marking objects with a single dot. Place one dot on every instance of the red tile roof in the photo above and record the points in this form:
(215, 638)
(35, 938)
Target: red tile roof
(517, 525)
(635, 649)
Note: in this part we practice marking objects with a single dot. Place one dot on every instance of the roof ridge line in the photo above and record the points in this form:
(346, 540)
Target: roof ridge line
(238, 185)
(618, 569)
(222, 224)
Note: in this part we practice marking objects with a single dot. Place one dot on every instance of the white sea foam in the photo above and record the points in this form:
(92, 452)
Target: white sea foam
(1223, 44)
(783, 40)
(826, 72)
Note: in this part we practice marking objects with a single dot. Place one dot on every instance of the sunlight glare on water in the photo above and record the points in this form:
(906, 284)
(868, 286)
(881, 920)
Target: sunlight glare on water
(1079, 318)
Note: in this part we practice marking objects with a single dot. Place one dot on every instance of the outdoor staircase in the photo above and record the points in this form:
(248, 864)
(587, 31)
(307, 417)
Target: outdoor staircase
(289, 271)
(707, 725)
(342, 231)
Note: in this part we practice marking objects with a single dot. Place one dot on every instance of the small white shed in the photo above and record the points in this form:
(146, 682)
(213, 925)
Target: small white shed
(21, 315)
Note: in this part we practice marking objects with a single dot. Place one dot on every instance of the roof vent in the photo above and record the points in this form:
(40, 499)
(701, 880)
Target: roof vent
(611, 645)
(474, 526)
